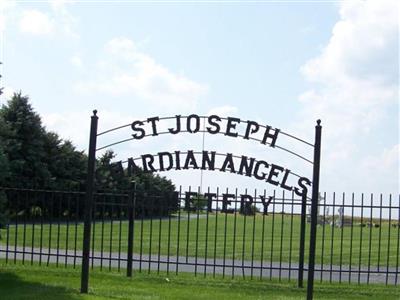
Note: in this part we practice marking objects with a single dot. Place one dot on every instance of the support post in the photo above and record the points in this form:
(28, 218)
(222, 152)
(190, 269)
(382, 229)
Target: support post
(131, 217)
(89, 204)
(314, 210)
(302, 239)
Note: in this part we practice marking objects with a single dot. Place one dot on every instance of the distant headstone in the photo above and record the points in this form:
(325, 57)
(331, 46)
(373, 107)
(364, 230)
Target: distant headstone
(341, 217)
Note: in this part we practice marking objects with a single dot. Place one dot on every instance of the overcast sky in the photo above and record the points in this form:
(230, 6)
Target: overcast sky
(283, 64)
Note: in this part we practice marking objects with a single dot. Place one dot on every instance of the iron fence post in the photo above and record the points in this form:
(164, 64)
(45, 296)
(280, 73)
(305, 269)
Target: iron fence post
(131, 216)
(88, 204)
(314, 210)
(302, 239)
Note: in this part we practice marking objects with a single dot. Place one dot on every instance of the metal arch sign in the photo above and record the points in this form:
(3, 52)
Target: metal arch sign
(206, 160)
(276, 175)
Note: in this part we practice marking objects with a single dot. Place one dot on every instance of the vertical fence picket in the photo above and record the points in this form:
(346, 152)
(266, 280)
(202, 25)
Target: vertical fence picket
(398, 242)
(225, 227)
(244, 236)
(254, 233)
(281, 244)
(272, 237)
(32, 221)
(197, 230)
(159, 236)
(68, 215)
(234, 234)
(216, 233)
(342, 221)
(323, 238)
(169, 212)
(380, 232)
(111, 220)
(370, 224)
(388, 243)
(25, 212)
(291, 236)
(333, 225)
(179, 230)
(77, 202)
(351, 236)
(51, 218)
(265, 211)
(361, 238)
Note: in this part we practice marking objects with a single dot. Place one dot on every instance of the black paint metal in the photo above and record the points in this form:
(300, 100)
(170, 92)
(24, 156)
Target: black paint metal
(131, 220)
(302, 240)
(314, 210)
(88, 204)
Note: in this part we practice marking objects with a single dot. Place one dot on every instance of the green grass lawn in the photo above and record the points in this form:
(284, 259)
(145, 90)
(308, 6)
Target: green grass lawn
(45, 283)
(272, 237)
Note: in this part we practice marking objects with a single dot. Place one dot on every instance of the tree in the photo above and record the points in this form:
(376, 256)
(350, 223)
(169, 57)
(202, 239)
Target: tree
(24, 143)
(197, 203)
(154, 194)
(38, 158)
(3, 196)
(4, 169)
(66, 165)
(109, 178)
(1, 88)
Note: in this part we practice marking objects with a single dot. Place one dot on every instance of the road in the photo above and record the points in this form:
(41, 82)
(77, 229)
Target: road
(199, 265)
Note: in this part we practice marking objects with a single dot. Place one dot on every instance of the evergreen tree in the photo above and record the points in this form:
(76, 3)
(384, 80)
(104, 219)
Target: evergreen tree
(4, 169)
(66, 165)
(24, 143)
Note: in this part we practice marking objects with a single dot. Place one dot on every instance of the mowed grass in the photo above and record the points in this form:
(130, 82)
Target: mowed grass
(275, 237)
(19, 282)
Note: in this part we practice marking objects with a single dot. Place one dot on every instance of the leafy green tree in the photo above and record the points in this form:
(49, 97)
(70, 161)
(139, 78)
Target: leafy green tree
(66, 165)
(24, 143)
(4, 169)
(197, 203)
(3, 197)
(108, 177)
(154, 194)
(41, 159)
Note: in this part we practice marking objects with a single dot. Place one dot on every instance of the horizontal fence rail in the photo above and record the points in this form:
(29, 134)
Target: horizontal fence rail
(214, 231)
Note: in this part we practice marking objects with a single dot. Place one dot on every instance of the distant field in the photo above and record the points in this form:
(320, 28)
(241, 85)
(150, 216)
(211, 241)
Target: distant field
(19, 282)
(271, 238)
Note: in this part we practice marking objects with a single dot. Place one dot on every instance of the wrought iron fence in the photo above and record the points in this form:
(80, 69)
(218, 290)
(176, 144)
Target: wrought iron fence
(229, 232)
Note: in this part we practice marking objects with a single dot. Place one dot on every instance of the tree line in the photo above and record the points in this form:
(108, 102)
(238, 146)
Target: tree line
(33, 157)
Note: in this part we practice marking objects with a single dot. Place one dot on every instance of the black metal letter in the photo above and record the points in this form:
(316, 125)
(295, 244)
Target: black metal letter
(231, 125)
(148, 165)
(210, 162)
(273, 173)
(189, 122)
(153, 124)
(247, 166)
(161, 161)
(190, 161)
(250, 130)
(138, 129)
(257, 167)
(214, 123)
(273, 136)
(178, 125)
(226, 202)
(228, 163)
(210, 197)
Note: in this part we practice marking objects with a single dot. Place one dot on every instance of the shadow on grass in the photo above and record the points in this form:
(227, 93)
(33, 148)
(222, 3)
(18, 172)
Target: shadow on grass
(14, 287)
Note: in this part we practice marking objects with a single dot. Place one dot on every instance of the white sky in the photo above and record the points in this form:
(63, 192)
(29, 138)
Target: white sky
(282, 64)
